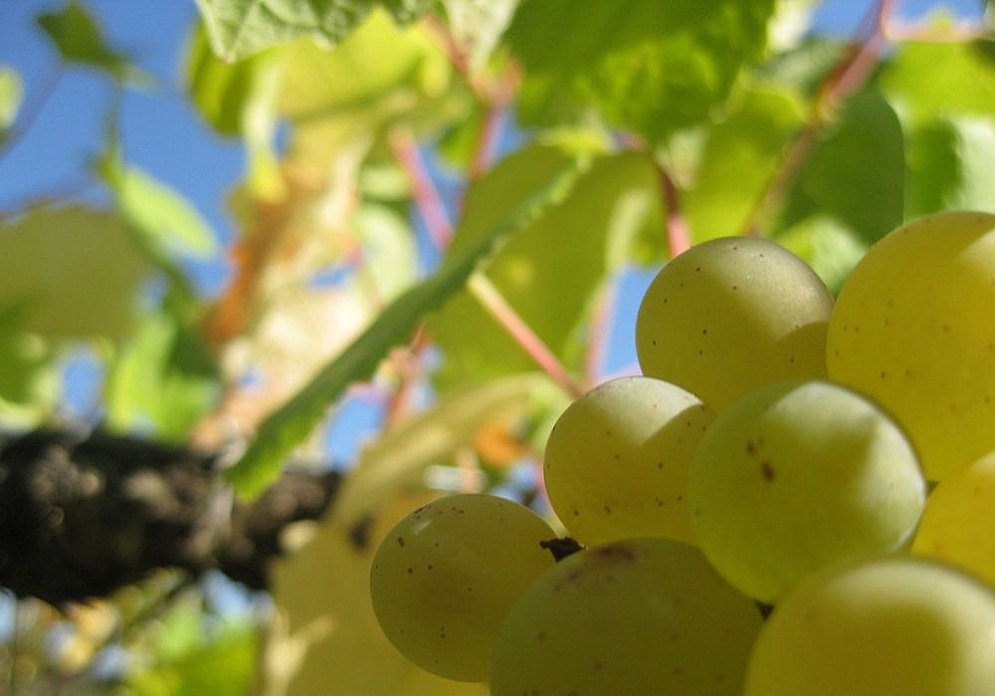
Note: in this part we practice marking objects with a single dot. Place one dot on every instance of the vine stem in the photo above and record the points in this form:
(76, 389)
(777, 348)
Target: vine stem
(848, 75)
(485, 292)
(423, 190)
(429, 206)
(678, 234)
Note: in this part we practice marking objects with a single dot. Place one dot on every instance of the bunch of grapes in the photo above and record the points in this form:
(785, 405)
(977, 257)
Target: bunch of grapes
(752, 511)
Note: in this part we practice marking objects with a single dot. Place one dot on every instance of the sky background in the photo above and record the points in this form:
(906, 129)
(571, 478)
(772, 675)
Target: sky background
(164, 135)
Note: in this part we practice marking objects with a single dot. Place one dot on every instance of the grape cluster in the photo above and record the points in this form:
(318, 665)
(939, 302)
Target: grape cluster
(773, 460)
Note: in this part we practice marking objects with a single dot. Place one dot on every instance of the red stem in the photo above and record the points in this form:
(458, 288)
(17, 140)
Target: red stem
(497, 306)
(678, 235)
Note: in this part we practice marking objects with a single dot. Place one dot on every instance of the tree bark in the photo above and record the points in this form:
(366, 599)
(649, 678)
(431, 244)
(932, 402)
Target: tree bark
(81, 516)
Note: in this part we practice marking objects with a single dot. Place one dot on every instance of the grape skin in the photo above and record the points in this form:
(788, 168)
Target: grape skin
(890, 627)
(616, 462)
(444, 577)
(797, 476)
(913, 329)
(645, 616)
(958, 525)
(731, 315)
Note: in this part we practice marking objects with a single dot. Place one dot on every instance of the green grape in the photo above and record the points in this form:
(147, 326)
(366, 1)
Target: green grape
(893, 627)
(958, 525)
(913, 329)
(645, 616)
(445, 576)
(731, 315)
(616, 462)
(797, 476)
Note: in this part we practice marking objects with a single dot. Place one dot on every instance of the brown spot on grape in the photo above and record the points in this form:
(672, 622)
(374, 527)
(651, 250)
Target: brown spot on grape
(704, 332)
(884, 374)
(400, 541)
(767, 470)
(608, 510)
(411, 570)
(751, 447)
(735, 288)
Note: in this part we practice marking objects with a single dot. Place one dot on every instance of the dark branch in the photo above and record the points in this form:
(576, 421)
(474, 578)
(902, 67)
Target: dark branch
(83, 516)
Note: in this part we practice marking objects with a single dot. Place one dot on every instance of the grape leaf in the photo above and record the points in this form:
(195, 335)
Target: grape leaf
(942, 79)
(431, 437)
(291, 423)
(549, 271)
(648, 66)
(161, 216)
(22, 357)
(76, 268)
(949, 166)
(161, 381)
(741, 153)
(78, 38)
(239, 28)
(857, 171)
(11, 92)
(477, 25)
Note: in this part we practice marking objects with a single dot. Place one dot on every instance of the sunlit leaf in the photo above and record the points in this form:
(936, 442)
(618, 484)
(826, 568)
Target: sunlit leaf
(11, 92)
(549, 271)
(828, 247)
(661, 66)
(239, 28)
(159, 214)
(326, 623)
(293, 422)
(477, 25)
(432, 437)
(389, 255)
(740, 155)
(78, 38)
(942, 79)
(950, 166)
(378, 74)
(75, 268)
(162, 381)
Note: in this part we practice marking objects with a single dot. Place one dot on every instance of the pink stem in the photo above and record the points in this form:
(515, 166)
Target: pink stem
(497, 306)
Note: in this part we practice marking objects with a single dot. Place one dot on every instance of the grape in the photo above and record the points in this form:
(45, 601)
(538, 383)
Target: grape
(891, 627)
(958, 524)
(913, 329)
(797, 476)
(646, 616)
(445, 576)
(731, 315)
(616, 462)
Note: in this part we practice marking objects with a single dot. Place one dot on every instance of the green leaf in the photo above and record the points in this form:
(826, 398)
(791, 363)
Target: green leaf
(857, 172)
(647, 66)
(389, 253)
(432, 437)
(75, 268)
(160, 216)
(950, 166)
(239, 28)
(23, 358)
(549, 272)
(378, 74)
(79, 40)
(740, 155)
(11, 92)
(293, 422)
(163, 380)
(829, 248)
(942, 79)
